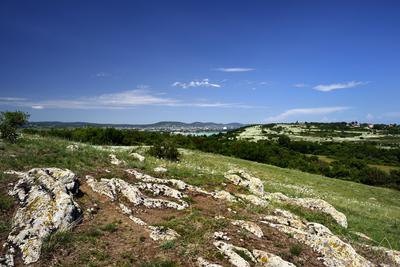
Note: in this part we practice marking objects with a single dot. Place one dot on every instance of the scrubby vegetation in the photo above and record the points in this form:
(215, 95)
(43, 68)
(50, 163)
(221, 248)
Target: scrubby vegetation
(10, 122)
(348, 161)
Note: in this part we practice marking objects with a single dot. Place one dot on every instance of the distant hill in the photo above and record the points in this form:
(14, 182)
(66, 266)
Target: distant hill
(162, 125)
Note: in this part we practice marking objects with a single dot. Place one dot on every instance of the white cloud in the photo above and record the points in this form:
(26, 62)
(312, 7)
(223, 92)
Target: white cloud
(300, 85)
(202, 83)
(102, 74)
(235, 69)
(7, 99)
(37, 107)
(120, 100)
(305, 111)
(335, 86)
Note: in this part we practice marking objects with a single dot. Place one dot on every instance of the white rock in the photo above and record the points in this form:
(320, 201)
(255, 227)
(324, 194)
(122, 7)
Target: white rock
(164, 234)
(267, 259)
(73, 147)
(255, 200)
(391, 255)
(224, 195)
(115, 161)
(46, 205)
(334, 251)
(249, 226)
(242, 178)
(234, 258)
(204, 263)
(181, 185)
(137, 156)
(312, 204)
(160, 169)
(137, 220)
(115, 187)
(221, 236)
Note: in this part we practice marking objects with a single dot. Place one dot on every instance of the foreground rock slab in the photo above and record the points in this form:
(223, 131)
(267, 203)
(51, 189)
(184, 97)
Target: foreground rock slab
(46, 205)
(334, 251)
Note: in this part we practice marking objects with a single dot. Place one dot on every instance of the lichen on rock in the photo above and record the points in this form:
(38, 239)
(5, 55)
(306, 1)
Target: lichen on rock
(334, 251)
(46, 205)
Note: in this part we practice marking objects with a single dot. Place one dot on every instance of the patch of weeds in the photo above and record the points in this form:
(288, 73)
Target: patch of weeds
(5, 227)
(100, 255)
(111, 227)
(188, 199)
(194, 226)
(6, 202)
(55, 241)
(170, 244)
(243, 254)
(296, 249)
(127, 259)
(162, 263)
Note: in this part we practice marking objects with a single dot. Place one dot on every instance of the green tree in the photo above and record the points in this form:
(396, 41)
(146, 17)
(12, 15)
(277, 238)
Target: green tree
(10, 122)
(165, 150)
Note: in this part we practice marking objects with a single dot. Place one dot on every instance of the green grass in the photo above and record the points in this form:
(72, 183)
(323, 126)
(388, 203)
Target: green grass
(170, 244)
(111, 227)
(296, 249)
(371, 210)
(160, 263)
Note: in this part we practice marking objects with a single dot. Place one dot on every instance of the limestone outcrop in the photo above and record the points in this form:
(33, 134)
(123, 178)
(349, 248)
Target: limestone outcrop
(334, 251)
(46, 205)
(115, 161)
(242, 178)
(137, 156)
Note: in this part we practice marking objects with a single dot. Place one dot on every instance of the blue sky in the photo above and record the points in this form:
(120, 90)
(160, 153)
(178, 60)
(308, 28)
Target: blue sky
(222, 61)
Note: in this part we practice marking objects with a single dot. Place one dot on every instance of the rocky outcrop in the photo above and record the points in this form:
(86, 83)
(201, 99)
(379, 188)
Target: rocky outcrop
(255, 200)
(233, 254)
(115, 161)
(137, 156)
(249, 226)
(160, 169)
(73, 147)
(224, 195)
(204, 263)
(259, 197)
(334, 251)
(242, 178)
(312, 204)
(46, 205)
(221, 236)
(156, 233)
(116, 188)
(391, 255)
(267, 259)
(181, 185)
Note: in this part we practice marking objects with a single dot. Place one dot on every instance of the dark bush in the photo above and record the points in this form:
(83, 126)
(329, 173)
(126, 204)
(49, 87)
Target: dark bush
(165, 150)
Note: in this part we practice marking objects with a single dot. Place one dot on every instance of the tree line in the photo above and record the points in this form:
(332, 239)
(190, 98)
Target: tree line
(350, 161)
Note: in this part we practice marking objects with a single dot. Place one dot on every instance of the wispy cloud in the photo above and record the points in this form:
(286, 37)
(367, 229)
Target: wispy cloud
(305, 111)
(7, 99)
(102, 74)
(336, 86)
(300, 85)
(37, 107)
(119, 100)
(235, 69)
(202, 83)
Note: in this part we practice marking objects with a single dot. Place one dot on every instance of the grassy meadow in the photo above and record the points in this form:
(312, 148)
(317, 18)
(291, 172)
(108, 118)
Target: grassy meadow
(371, 210)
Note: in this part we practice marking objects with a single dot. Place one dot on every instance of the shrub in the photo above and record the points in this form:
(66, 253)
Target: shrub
(296, 249)
(165, 150)
(10, 122)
